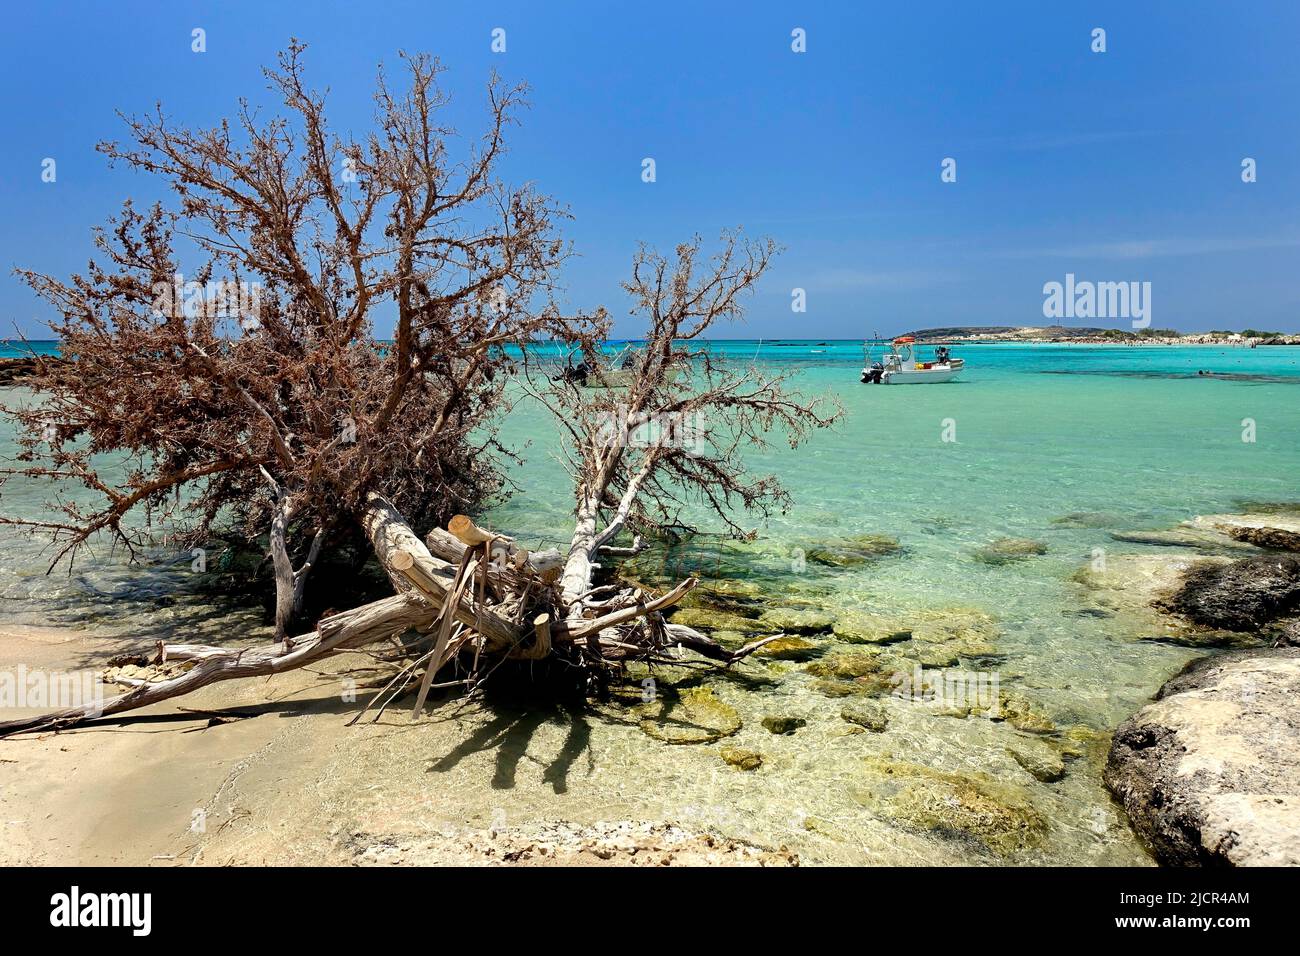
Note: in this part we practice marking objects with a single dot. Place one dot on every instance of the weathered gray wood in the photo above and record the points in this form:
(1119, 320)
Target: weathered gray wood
(359, 626)
(390, 536)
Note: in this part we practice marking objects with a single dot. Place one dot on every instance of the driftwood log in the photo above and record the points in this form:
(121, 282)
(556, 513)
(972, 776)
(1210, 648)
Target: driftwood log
(469, 595)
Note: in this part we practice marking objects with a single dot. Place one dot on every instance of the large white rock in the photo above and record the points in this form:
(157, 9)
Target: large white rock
(1210, 772)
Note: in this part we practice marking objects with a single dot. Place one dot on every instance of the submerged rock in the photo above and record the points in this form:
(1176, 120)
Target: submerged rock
(741, 758)
(1087, 519)
(1021, 713)
(1210, 772)
(1277, 532)
(740, 597)
(789, 649)
(705, 619)
(1006, 550)
(1041, 762)
(692, 716)
(873, 685)
(968, 631)
(852, 552)
(862, 627)
(1285, 633)
(844, 665)
(797, 620)
(970, 806)
(783, 724)
(866, 714)
(1183, 538)
(932, 655)
(1244, 595)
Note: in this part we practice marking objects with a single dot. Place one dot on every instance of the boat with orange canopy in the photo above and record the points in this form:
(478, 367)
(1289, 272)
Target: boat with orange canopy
(901, 363)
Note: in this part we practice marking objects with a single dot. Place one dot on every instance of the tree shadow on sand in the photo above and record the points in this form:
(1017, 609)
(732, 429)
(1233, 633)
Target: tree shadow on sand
(509, 733)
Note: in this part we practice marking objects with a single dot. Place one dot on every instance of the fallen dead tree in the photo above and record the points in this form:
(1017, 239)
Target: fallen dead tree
(275, 417)
(479, 601)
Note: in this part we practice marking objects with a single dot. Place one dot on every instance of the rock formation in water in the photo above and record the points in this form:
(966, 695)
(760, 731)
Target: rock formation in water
(1210, 772)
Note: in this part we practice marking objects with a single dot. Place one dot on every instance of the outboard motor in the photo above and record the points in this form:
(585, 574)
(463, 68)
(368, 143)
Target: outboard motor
(872, 376)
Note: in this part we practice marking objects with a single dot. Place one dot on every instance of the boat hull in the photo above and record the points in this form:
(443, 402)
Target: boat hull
(919, 376)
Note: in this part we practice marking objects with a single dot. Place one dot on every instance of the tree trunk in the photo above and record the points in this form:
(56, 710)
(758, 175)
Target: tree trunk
(580, 565)
(410, 566)
(362, 625)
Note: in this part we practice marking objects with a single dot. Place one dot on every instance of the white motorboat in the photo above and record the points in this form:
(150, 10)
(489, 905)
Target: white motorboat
(900, 364)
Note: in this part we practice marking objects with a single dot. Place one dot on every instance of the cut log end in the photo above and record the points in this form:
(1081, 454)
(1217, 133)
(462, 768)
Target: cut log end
(464, 528)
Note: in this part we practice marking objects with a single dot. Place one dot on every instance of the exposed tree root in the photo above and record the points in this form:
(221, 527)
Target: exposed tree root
(472, 612)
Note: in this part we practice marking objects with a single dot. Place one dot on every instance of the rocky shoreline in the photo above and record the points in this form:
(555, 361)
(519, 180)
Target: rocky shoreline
(1209, 772)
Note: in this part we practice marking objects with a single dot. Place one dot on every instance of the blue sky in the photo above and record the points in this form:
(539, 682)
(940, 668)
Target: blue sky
(1115, 166)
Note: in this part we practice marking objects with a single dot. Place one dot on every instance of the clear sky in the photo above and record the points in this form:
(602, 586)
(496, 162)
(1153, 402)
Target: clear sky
(1117, 166)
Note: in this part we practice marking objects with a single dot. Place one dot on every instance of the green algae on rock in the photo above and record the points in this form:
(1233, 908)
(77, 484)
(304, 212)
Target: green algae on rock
(1018, 711)
(969, 631)
(797, 620)
(844, 665)
(705, 619)
(866, 714)
(1043, 763)
(790, 649)
(783, 724)
(1006, 550)
(694, 715)
(742, 759)
(853, 551)
(971, 806)
(862, 627)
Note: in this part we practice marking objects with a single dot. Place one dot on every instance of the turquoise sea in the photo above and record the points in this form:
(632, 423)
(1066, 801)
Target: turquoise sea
(1060, 444)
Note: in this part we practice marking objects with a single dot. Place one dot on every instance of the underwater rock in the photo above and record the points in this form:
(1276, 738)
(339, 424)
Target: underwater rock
(1210, 772)
(971, 806)
(691, 716)
(1244, 595)
(789, 649)
(862, 627)
(740, 597)
(783, 724)
(866, 714)
(1039, 761)
(742, 759)
(969, 631)
(1007, 550)
(1249, 506)
(705, 619)
(1277, 532)
(1087, 519)
(875, 685)
(852, 552)
(844, 665)
(1205, 639)
(934, 655)
(1018, 711)
(1182, 538)
(797, 620)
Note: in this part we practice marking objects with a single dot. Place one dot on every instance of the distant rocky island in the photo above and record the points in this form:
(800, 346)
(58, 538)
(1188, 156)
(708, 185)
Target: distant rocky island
(1084, 335)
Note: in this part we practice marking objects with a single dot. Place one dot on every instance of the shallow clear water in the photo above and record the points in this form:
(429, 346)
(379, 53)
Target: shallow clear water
(1129, 437)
